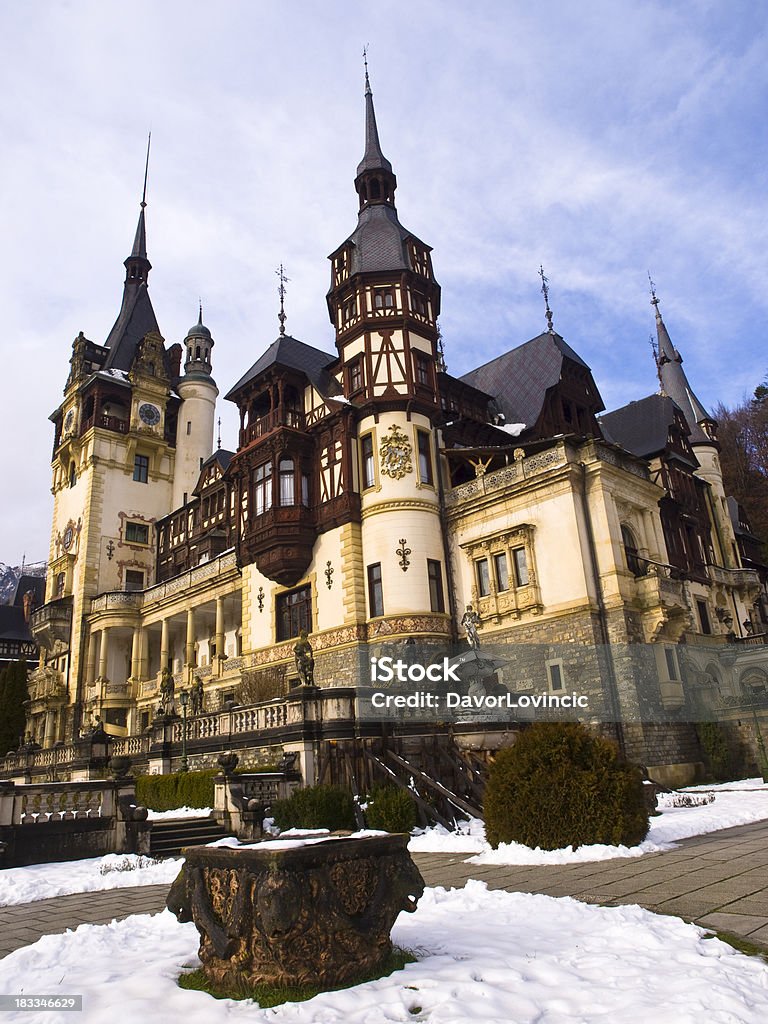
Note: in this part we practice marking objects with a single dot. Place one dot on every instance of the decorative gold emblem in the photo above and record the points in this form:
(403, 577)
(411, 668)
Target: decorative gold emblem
(395, 454)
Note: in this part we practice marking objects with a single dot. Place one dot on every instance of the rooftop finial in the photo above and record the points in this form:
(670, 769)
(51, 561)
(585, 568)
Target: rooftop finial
(365, 63)
(200, 317)
(654, 297)
(146, 172)
(219, 435)
(281, 292)
(545, 293)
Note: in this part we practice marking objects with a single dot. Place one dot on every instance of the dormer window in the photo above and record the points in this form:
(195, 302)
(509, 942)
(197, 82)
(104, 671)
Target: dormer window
(418, 303)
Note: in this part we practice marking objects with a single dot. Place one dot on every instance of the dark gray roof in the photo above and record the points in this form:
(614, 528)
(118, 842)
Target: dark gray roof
(34, 583)
(222, 456)
(13, 625)
(293, 355)
(135, 319)
(379, 241)
(675, 383)
(641, 427)
(519, 379)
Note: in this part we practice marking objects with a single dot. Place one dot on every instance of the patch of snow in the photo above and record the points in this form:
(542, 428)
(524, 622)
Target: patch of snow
(739, 786)
(484, 956)
(515, 429)
(43, 881)
(180, 812)
(293, 838)
(468, 837)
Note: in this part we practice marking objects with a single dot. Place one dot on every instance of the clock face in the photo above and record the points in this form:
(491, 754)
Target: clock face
(149, 414)
(69, 420)
(69, 536)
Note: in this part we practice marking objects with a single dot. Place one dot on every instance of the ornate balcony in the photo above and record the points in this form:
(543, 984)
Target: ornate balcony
(52, 622)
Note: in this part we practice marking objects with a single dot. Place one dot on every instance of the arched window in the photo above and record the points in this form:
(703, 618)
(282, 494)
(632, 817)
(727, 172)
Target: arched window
(636, 565)
(287, 482)
(72, 474)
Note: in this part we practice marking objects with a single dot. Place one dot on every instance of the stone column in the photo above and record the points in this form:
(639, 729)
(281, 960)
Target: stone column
(164, 645)
(90, 671)
(652, 540)
(136, 653)
(103, 653)
(143, 653)
(189, 647)
(50, 729)
(219, 629)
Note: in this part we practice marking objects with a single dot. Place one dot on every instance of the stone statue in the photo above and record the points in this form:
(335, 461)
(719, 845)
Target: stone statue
(470, 620)
(305, 661)
(166, 691)
(197, 696)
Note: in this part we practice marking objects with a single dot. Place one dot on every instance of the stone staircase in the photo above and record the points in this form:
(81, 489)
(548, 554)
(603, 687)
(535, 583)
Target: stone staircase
(170, 835)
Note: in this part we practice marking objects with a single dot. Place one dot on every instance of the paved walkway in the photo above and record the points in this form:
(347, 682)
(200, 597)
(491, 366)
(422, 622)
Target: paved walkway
(718, 880)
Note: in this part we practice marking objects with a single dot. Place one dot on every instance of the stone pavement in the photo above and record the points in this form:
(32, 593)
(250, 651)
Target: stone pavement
(718, 880)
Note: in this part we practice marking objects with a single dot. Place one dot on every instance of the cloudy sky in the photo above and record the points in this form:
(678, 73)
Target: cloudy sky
(602, 139)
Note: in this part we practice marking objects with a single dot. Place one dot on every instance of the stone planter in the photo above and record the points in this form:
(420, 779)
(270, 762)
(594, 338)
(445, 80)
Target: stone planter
(316, 914)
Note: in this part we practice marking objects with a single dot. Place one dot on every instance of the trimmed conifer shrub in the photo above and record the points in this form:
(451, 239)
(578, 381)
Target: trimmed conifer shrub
(717, 752)
(13, 693)
(182, 789)
(315, 807)
(559, 786)
(390, 809)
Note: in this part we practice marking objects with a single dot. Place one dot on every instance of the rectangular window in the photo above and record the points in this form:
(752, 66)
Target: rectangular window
(375, 590)
(141, 469)
(294, 612)
(134, 579)
(704, 617)
(355, 375)
(366, 449)
(671, 662)
(418, 303)
(305, 489)
(189, 427)
(502, 573)
(383, 298)
(262, 488)
(287, 482)
(435, 575)
(349, 308)
(520, 561)
(136, 533)
(422, 370)
(555, 675)
(483, 578)
(425, 457)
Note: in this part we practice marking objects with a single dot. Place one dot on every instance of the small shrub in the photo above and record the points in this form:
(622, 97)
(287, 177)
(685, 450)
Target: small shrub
(183, 789)
(686, 799)
(315, 807)
(559, 786)
(391, 810)
(716, 751)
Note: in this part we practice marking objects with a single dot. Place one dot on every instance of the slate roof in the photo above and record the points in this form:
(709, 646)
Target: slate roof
(641, 427)
(13, 625)
(293, 355)
(135, 319)
(519, 379)
(379, 241)
(675, 383)
(34, 583)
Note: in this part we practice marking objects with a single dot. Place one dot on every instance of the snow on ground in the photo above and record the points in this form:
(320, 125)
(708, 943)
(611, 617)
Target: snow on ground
(115, 871)
(730, 807)
(180, 812)
(483, 956)
(739, 786)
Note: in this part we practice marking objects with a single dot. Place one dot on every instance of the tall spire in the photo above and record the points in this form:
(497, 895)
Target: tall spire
(674, 383)
(137, 264)
(375, 182)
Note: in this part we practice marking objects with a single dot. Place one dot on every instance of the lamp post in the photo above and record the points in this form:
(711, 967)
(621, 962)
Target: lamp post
(184, 698)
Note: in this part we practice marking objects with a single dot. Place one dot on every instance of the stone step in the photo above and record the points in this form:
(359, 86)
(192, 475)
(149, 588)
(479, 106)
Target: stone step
(170, 836)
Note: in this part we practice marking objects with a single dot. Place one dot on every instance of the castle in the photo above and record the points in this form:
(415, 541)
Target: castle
(373, 497)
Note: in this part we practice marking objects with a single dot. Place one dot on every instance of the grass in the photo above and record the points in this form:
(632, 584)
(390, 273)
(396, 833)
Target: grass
(273, 995)
(741, 944)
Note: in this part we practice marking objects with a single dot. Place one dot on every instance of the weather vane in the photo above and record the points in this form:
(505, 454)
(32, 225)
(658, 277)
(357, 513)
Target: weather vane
(654, 297)
(545, 293)
(219, 438)
(281, 292)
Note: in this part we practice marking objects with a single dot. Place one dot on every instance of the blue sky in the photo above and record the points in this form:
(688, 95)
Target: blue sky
(601, 139)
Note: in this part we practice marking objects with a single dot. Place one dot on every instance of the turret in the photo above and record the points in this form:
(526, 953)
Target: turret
(198, 393)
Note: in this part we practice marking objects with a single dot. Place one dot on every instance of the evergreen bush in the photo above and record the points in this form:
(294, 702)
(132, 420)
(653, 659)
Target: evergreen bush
(182, 789)
(716, 750)
(559, 786)
(390, 809)
(315, 807)
(13, 693)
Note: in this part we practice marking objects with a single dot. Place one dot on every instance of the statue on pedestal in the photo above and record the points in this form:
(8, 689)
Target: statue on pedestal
(305, 660)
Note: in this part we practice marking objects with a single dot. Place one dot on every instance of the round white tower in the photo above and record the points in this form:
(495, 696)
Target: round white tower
(198, 393)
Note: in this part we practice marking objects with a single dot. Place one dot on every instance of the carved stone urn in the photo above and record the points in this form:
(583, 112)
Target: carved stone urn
(284, 914)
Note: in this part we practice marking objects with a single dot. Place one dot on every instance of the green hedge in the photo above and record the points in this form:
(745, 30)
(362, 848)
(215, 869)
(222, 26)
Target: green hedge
(183, 789)
(315, 807)
(716, 750)
(560, 785)
(390, 809)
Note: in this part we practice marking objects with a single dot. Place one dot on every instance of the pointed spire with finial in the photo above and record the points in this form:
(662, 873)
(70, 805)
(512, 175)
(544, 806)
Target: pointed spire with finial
(674, 382)
(137, 265)
(375, 182)
(545, 293)
(281, 316)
